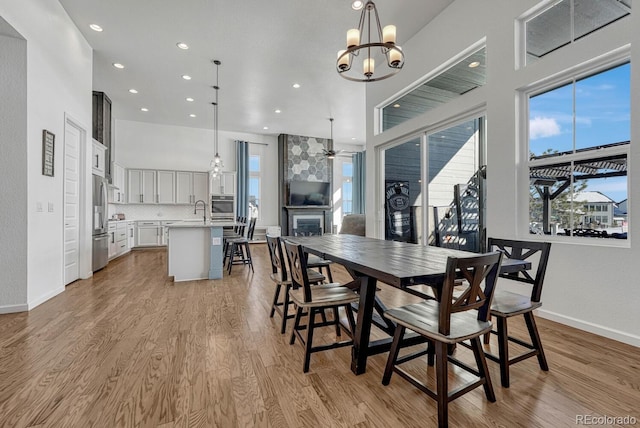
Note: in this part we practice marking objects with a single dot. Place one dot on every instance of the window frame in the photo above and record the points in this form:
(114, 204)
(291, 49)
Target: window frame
(256, 175)
(589, 68)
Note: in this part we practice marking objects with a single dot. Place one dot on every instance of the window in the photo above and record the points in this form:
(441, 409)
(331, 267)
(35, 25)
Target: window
(347, 188)
(462, 77)
(566, 21)
(254, 186)
(579, 138)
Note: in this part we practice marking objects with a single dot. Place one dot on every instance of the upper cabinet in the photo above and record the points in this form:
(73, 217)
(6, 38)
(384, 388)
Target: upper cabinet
(119, 185)
(142, 186)
(98, 158)
(166, 187)
(101, 129)
(147, 186)
(191, 187)
(224, 184)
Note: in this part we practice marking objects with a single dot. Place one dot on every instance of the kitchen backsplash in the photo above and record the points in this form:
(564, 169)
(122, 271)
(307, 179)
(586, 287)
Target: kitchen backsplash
(155, 212)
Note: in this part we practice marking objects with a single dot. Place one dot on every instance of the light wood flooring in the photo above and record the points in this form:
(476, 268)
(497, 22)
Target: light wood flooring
(131, 348)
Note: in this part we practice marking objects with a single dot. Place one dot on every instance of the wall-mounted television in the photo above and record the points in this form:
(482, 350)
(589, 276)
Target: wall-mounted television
(303, 193)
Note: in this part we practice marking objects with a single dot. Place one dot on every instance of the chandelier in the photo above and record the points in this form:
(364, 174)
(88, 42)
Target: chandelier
(360, 45)
(216, 163)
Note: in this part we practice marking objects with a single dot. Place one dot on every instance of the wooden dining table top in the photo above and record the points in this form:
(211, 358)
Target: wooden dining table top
(399, 264)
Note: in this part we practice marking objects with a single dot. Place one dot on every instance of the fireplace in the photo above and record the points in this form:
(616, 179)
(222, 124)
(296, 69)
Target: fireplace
(307, 225)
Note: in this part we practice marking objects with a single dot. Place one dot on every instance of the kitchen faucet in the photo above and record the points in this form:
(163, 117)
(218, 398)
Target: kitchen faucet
(204, 209)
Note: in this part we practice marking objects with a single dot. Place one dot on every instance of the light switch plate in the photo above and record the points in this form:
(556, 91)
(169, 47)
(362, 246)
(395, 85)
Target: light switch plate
(216, 241)
(38, 207)
(50, 207)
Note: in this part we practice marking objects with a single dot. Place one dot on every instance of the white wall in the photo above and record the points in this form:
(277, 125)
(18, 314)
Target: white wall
(59, 77)
(146, 145)
(13, 163)
(587, 286)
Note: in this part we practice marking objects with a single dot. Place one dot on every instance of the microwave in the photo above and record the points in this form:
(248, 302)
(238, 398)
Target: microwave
(223, 207)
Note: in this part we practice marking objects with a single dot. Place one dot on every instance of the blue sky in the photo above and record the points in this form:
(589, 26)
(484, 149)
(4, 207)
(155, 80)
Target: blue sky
(602, 116)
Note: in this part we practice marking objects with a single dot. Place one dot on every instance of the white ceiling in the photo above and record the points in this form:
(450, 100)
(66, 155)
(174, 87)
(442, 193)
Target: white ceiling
(264, 46)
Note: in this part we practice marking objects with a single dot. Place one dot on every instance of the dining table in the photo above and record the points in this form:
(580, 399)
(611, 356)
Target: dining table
(401, 265)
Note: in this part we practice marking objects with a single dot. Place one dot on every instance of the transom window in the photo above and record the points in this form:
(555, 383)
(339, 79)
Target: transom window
(566, 21)
(460, 78)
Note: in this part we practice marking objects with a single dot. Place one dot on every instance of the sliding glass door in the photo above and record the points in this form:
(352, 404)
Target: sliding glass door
(456, 189)
(449, 210)
(403, 191)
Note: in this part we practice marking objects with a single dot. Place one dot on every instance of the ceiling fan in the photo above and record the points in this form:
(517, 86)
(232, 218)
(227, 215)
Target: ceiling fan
(331, 153)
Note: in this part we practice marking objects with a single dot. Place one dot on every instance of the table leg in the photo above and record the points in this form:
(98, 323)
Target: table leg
(360, 349)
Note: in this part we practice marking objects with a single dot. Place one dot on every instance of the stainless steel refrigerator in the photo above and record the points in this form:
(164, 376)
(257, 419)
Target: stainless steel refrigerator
(99, 213)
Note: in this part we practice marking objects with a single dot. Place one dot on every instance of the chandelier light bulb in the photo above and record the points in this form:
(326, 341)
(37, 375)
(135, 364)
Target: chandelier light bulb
(369, 66)
(389, 34)
(395, 57)
(353, 37)
(343, 60)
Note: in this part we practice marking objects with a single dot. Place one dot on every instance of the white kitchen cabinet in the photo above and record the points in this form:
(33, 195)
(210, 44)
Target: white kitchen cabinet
(149, 233)
(117, 193)
(224, 184)
(191, 187)
(142, 186)
(131, 234)
(113, 245)
(121, 238)
(166, 187)
(98, 158)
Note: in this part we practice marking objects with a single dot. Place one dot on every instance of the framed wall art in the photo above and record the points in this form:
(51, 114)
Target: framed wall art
(48, 151)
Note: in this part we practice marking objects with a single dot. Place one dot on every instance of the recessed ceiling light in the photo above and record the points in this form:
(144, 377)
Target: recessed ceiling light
(265, 128)
(357, 5)
(192, 115)
(95, 27)
(182, 46)
(133, 91)
(396, 105)
(144, 109)
(278, 111)
(353, 138)
(186, 77)
(296, 85)
(118, 65)
(474, 64)
(189, 99)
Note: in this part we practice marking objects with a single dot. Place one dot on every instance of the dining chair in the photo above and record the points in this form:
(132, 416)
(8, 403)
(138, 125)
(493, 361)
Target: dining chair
(238, 248)
(507, 304)
(312, 301)
(447, 322)
(280, 277)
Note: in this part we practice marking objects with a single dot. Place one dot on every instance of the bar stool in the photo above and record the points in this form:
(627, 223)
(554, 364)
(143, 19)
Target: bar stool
(240, 247)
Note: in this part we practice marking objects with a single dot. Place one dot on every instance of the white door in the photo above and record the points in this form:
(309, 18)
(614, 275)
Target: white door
(72, 141)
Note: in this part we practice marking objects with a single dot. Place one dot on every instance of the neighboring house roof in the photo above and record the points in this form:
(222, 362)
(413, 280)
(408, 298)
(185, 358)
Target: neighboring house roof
(593, 197)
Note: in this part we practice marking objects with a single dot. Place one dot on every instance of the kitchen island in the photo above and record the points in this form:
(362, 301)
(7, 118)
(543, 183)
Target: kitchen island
(195, 249)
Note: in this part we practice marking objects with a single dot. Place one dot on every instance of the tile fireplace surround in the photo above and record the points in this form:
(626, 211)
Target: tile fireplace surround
(302, 158)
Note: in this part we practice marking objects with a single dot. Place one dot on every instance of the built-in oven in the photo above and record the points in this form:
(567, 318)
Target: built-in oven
(223, 207)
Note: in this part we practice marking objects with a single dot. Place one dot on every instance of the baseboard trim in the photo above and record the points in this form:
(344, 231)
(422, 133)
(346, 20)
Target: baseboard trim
(607, 332)
(40, 300)
(12, 309)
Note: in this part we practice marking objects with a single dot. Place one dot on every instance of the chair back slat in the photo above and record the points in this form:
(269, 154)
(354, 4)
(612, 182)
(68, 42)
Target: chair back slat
(277, 257)
(252, 228)
(298, 268)
(477, 270)
(529, 251)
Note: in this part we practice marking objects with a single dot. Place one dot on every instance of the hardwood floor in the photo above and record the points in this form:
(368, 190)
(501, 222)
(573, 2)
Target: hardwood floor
(131, 348)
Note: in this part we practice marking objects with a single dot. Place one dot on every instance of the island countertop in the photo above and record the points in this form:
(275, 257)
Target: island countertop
(201, 223)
